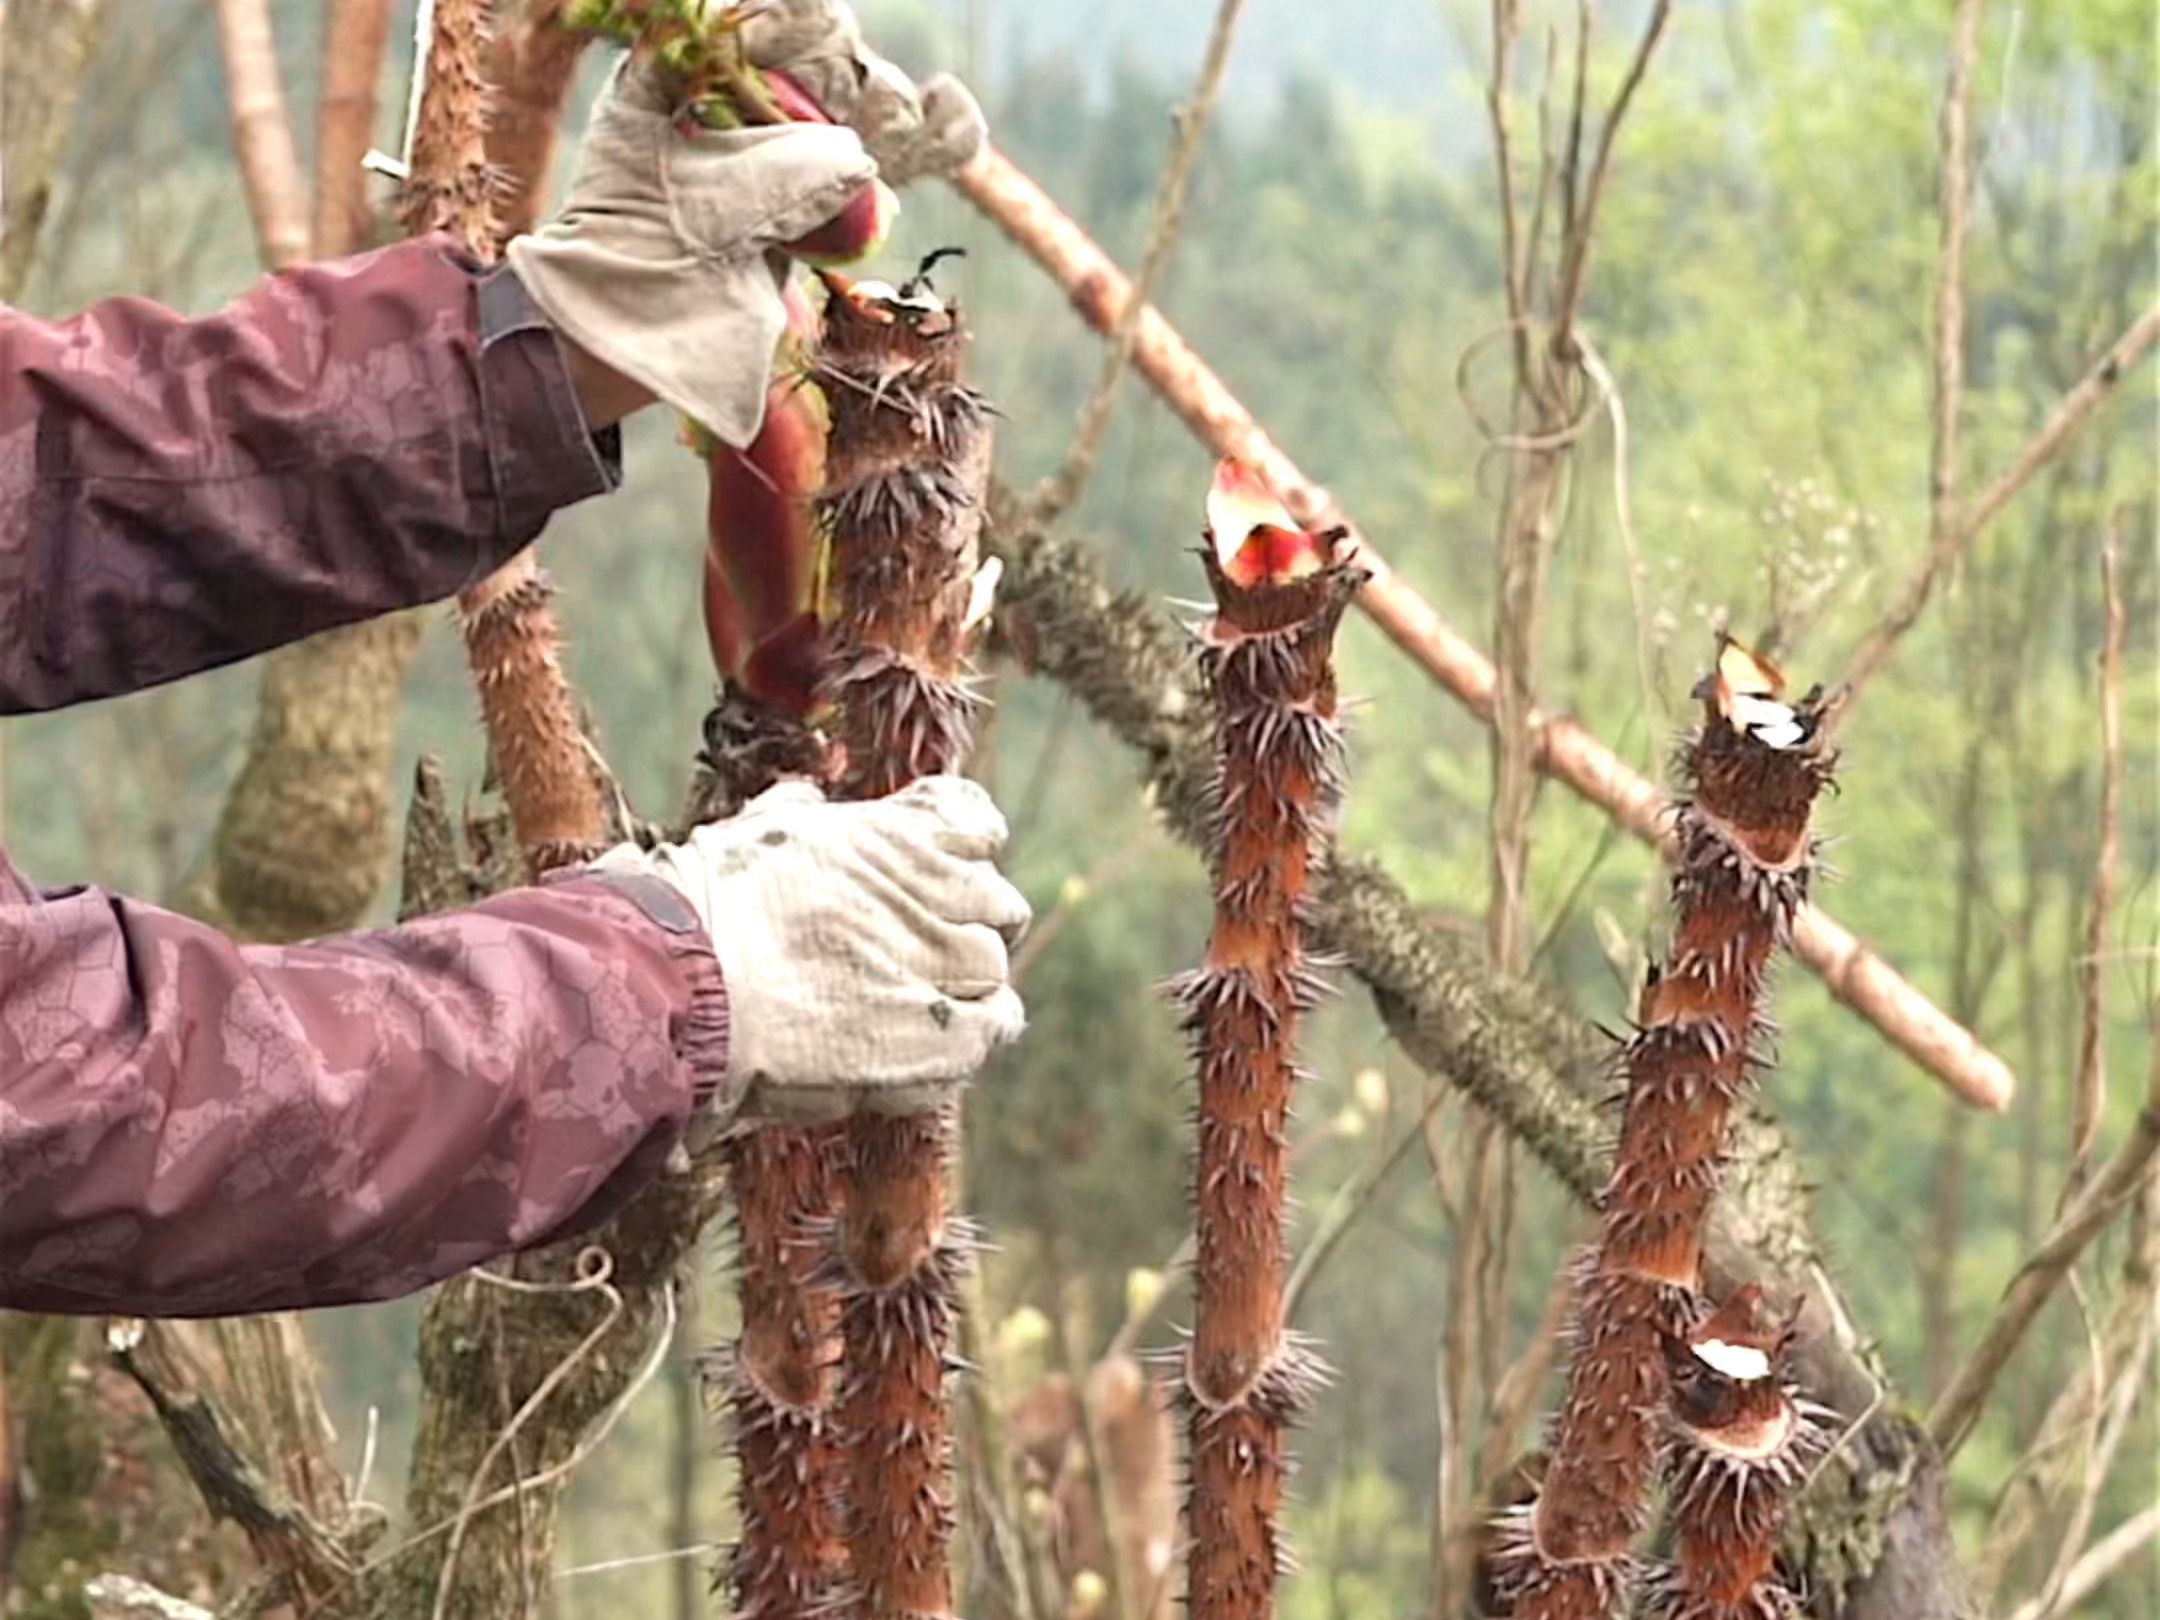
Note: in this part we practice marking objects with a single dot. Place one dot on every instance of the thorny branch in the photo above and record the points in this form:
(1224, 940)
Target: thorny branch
(1566, 750)
(1952, 208)
(1502, 1041)
(2090, 1095)
(1547, 422)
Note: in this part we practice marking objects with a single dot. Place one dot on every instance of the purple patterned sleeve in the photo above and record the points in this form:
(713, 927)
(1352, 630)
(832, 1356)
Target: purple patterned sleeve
(189, 1127)
(346, 439)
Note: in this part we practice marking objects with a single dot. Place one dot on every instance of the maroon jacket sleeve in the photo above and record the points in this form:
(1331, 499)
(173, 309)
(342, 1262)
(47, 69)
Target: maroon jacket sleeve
(189, 1127)
(348, 438)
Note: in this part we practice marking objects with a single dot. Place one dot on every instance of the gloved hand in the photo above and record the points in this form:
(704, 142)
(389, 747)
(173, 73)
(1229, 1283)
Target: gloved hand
(864, 945)
(912, 131)
(666, 263)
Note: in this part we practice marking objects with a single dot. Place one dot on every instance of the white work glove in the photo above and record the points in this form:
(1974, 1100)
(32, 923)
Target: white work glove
(665, 263)
(864, 945)
(912, 131)
(667, 260)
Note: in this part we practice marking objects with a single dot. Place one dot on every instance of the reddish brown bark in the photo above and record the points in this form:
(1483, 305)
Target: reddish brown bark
(450, 187)
(1267, 659)
(1739, 1447)
(1100, 295)
(354, 35)
(1745, 855)
(511, 639)
(789, 1556)
(906, 472)
(780, 1377)
(534, 69)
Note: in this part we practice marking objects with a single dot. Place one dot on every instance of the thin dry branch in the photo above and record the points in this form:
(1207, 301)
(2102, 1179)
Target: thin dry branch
(2105, 1197)
(1953, 216)
(1567, 751)
(2097, 1566)
(1582, 228)
(2113, 1418)
(2089, 393)
(1506, 29)
(1063, 488)
(208, 1435)
(354, 35)
(262, 134)
(2090, 1096)
(1505, 1043)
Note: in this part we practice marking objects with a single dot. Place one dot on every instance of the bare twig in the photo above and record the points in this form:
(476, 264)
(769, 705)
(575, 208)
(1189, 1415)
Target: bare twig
(2099, 1562)
(1516, 1400)
(1063, 488)
(2102, 1199)
(1952, 208)
(1351, 1200)
(2045, 1474)
(2091, 1085)
(1567, 301)
(1567, 751)
(262, 134)
(2112, 1419)
(1515, 275)
(1080, 888)
(2090, 392)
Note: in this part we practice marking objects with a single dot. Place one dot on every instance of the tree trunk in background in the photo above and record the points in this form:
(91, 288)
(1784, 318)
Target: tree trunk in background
(354, 35)
(47, 47)
(303, 844)
(103, 1493)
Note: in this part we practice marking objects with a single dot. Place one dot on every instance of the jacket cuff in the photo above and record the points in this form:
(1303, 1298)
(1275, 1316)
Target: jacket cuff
(702, 1031)
(544, 454)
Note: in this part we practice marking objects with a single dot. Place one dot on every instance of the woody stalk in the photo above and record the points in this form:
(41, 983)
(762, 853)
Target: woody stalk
(1266, 657)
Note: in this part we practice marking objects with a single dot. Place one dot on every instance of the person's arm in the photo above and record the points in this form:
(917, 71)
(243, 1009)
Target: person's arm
(189, 1127)
(346, 439)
